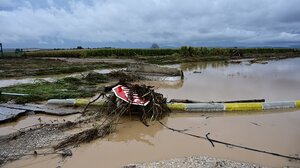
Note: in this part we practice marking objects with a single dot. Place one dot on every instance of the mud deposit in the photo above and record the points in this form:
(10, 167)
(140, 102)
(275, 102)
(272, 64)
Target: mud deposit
(30, 120)
(274, 131)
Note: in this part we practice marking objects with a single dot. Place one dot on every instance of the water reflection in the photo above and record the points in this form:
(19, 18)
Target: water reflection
(202, 65)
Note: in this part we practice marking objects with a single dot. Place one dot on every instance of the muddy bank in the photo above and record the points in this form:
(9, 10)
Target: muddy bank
(31, 119)
(28, 67)
(194, 162)
(11, 112)
(51, 139)
(52, 78)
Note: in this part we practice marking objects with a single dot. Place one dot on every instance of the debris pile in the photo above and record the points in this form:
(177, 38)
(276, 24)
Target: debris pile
(141, 100)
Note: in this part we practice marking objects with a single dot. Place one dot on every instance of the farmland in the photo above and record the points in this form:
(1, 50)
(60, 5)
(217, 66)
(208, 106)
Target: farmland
(184, 51)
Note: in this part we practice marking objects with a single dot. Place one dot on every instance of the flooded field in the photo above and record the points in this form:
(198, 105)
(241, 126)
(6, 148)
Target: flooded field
(277, 80)
(274, 131)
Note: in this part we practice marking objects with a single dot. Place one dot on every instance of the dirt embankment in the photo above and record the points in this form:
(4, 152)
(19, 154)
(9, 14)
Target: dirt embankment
(52, 139)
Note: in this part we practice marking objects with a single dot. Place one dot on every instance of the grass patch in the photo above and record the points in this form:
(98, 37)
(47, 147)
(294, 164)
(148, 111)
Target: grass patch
(66, 88)
(43, 90)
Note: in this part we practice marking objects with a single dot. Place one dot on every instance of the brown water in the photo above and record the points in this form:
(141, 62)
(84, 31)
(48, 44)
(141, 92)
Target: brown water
(133, 142)
(274, 131)
(30, 120)
(277, 80)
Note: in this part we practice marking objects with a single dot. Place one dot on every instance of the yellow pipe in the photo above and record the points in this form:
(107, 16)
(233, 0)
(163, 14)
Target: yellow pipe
(297, 103)
(84, 102)
(176, 106)
(243, 106)
(251, 106)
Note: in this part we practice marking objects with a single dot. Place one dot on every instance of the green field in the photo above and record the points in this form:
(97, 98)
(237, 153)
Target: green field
(184, 51)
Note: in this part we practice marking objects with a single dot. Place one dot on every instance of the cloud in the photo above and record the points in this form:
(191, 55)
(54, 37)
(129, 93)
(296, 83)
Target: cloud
(214, 22)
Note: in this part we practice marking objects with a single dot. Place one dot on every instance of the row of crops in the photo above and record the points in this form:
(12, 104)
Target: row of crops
(185, 51)
(102, 52)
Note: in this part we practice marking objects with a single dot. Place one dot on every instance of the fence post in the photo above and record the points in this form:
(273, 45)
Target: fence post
(1, 49)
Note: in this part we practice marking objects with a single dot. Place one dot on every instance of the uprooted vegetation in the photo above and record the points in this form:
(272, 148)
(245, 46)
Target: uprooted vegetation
(94, 123)
(154, 110)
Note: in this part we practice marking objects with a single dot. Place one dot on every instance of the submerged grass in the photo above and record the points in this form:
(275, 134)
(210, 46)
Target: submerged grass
(43, 90)
(66, 88)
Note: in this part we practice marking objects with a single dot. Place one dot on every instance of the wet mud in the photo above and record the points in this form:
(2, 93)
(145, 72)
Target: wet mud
(34, 119)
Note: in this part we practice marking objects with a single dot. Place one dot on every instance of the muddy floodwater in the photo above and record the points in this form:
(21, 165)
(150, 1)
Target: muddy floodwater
(217, 81)
(274, 131)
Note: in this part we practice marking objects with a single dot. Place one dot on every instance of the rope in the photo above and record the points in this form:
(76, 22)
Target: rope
(212, 141)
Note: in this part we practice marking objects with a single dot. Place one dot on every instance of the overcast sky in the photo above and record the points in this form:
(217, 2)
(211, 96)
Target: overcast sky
(139, 23)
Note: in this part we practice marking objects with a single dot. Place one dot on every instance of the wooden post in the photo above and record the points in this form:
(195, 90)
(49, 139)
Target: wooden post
(1, 49)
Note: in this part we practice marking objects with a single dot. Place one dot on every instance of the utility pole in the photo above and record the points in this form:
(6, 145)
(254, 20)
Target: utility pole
(1, 49)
